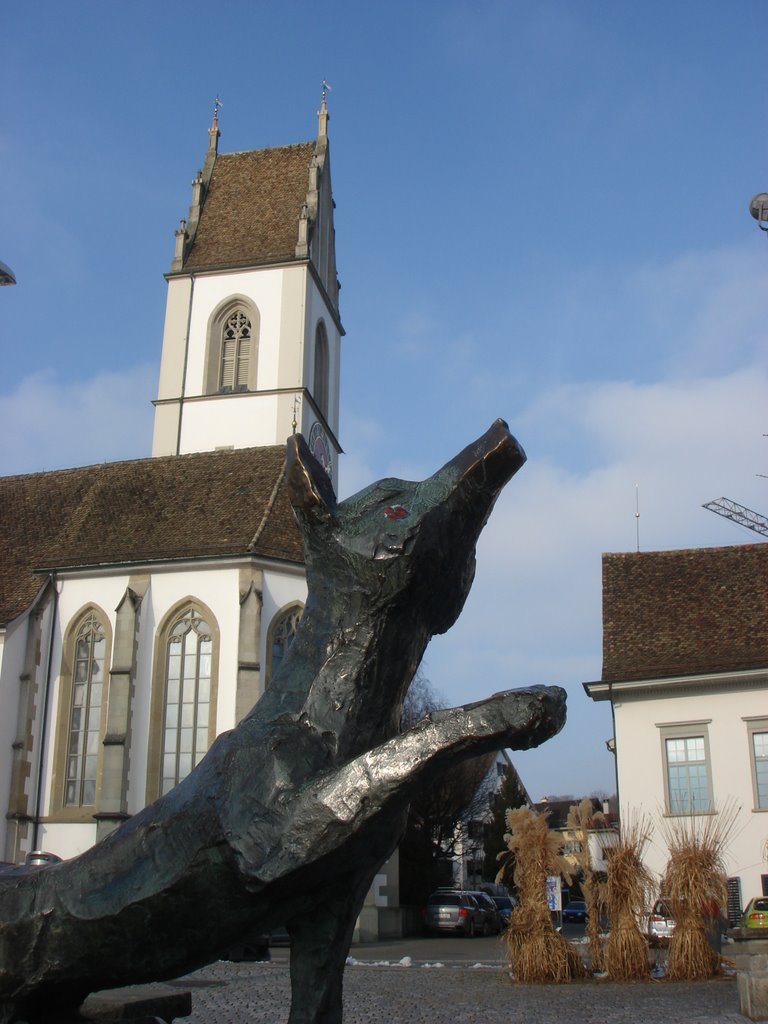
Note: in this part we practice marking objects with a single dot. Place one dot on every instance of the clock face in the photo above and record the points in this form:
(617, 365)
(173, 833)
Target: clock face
(320, 447)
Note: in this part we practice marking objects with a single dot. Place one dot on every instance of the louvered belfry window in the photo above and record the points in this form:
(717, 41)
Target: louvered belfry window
(235, 352)
(85, 715)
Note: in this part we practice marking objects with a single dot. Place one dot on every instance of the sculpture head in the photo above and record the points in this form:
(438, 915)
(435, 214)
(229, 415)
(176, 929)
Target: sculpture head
(398, 539)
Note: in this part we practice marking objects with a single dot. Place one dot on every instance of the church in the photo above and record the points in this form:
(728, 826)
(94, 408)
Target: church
(145, 605)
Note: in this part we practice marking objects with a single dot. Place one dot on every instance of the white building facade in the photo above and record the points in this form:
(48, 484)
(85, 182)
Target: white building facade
(685, 668)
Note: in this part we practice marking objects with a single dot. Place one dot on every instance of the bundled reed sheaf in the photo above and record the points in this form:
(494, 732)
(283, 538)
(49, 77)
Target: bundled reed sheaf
(628, 892)
(695, 889)
(581, 818)
(537, 953)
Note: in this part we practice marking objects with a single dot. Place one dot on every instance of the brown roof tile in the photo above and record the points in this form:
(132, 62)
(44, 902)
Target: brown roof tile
(252, 207)
(186, 506)
(670, 613)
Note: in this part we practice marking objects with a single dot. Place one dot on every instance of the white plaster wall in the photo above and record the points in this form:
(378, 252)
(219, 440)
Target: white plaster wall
(641, 770)
(66, 840)
(239, 421)
(264, 289)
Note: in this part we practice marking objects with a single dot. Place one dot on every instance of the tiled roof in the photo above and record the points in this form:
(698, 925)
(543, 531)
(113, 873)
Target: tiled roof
(673, 613)
(252, 207)
(184, 506)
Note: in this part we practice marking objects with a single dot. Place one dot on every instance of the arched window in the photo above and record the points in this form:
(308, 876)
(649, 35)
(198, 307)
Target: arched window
(320, 382)
(233, 345)
(85, 718)
(236, 340)
(282, 630)
(187, 698)
(184, 696)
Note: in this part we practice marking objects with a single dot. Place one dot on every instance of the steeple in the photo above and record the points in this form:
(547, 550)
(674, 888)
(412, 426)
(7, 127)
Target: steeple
(185, 235)
(322, 121)
(252, 340)
(213, 144)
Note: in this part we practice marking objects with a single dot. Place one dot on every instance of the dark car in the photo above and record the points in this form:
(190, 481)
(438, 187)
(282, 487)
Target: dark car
(575, 911)
(454, 911)
(505, 905)
(493, 922)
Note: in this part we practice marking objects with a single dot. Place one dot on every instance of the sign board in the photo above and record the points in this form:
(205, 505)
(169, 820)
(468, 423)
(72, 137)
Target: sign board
(554, 893)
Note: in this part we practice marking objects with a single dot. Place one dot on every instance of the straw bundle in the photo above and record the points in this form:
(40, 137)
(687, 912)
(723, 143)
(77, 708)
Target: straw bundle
(537, 953)
(695, 888)
(627, 893)
(581, 818)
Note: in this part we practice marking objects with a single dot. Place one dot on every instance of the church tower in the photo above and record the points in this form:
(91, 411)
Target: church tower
(252, 338)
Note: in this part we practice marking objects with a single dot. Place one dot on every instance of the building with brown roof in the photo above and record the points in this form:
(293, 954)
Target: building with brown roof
(144, 605)
(685, 668)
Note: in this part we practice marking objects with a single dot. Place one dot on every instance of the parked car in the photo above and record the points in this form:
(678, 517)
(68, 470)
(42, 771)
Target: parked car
(493, 922)
(576, 910)
(454, 911)
(755, 913)
(660, 924)
(505, 905)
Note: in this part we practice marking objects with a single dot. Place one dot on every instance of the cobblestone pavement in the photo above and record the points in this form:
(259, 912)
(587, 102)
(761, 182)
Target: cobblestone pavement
(456, 992)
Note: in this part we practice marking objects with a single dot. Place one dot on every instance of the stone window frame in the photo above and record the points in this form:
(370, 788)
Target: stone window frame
(59, 811)
(321, 376)
(679, 731)
(277, 619)
(214, 345)
(159, 686)
(755, 725)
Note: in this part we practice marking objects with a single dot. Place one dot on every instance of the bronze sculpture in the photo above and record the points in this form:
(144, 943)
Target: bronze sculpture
(301, 803)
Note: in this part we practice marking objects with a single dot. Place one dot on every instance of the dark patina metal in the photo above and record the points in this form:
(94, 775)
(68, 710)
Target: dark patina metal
(291, 814)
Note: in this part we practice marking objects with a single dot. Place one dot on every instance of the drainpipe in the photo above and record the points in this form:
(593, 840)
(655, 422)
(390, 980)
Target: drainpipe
(615, 751)
(44, 722)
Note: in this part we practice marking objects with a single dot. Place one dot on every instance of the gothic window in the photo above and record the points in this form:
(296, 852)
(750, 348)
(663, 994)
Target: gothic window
(84, 739)
(189, 653)
(320, 383)
(236, 340)
(280, 637)
(184, 692)
(232, 349)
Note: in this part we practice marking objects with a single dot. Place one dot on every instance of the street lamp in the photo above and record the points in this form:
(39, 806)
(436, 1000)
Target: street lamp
(6, 274)
(758, 207)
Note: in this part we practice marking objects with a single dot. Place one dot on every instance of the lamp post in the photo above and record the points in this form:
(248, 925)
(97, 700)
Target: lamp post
(758, 207)
(6, 274)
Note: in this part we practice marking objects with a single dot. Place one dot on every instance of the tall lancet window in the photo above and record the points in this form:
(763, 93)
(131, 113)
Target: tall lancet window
(282, 630)
(320, 383)
(85, 714)
(236, 341)
(187, 697)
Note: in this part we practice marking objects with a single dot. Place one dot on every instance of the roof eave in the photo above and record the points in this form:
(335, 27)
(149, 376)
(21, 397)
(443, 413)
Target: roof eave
(753, 678)
(149, 563)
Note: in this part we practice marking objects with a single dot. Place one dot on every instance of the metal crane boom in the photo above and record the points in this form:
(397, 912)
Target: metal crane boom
(739, 514)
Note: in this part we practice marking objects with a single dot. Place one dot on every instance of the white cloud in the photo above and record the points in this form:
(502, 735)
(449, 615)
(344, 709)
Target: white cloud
(534, 615)
(53, 424)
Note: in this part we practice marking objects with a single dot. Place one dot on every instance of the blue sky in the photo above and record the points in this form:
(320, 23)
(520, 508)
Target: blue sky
(541, 215)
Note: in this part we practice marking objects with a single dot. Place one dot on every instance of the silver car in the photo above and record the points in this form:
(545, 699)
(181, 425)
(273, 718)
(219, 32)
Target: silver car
(454, 911)
(661, 924)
